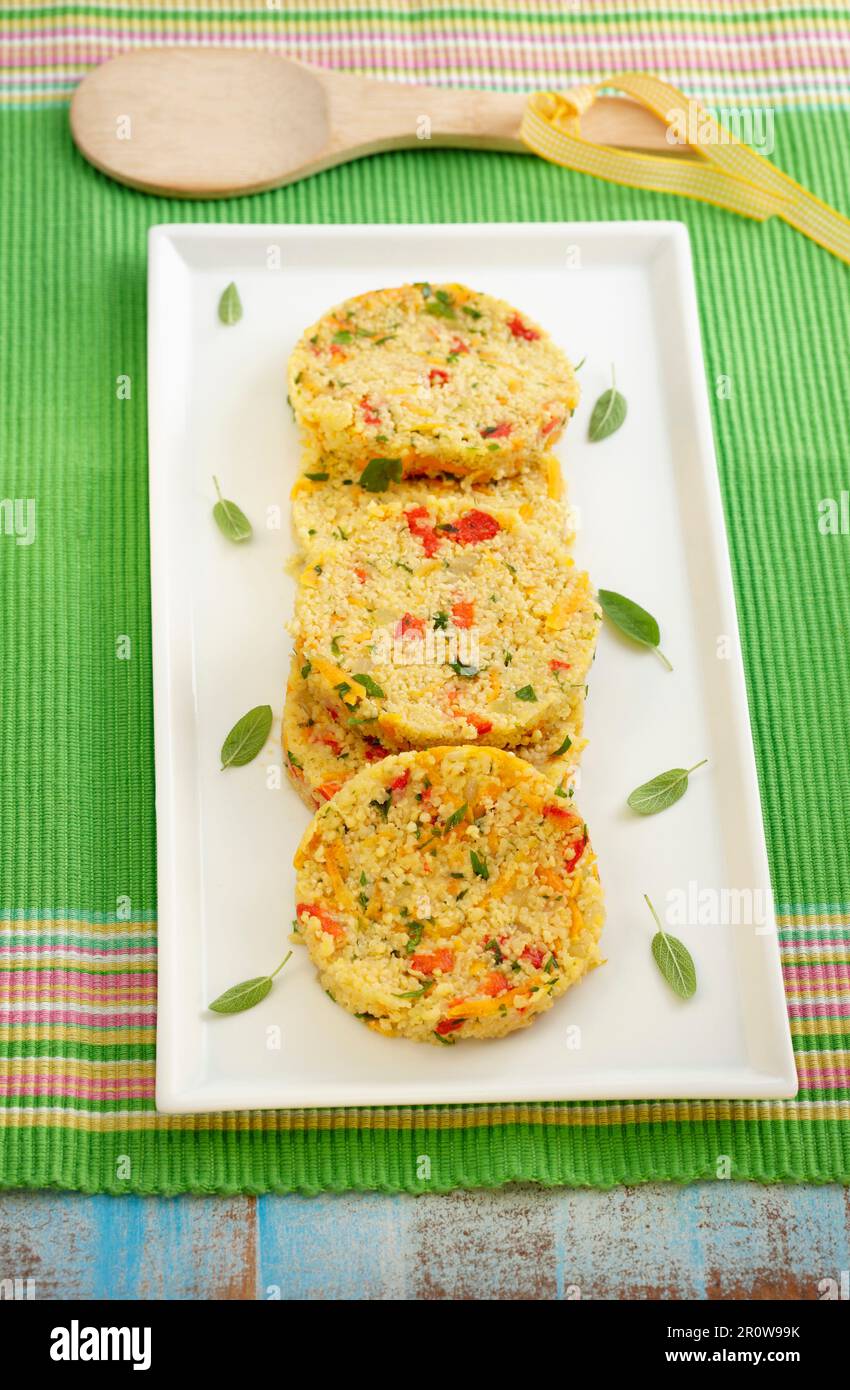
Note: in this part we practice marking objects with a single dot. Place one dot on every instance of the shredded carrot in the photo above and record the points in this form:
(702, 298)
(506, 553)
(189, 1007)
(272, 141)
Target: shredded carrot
(560, 885)
(481, 1008)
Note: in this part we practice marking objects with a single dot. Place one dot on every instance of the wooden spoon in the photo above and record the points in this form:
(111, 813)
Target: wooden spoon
(214, 123)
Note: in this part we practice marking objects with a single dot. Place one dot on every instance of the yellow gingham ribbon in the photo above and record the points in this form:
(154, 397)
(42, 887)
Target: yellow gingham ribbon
(725, 171)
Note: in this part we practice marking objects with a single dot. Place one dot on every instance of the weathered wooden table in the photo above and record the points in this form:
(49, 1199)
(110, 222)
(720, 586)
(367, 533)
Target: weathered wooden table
(708, 1240)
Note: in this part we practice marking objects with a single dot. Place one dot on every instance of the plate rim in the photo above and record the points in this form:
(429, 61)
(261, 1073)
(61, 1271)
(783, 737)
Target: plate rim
(210, 1097)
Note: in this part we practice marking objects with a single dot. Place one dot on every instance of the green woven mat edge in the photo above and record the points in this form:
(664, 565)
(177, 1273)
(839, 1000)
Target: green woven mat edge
(421, 1160)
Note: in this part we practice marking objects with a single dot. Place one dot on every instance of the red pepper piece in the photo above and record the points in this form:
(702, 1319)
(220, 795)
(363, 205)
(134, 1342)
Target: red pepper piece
(463, 613)
(327, 921)
(429, 961)
(495, 983)
(481, 726)
(423, 529)
(536, 955)
(474, 527)
(374, 751)
(408, 623)
(437, 377)
(521, 330)
(556, 665)
(449, 1025)
(370, 414)
(574, 854)
(497, 431)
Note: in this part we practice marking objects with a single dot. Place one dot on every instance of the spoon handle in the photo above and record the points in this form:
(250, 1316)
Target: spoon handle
(397, 115)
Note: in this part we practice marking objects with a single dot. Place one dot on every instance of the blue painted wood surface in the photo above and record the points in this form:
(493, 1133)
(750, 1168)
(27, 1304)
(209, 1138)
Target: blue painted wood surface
(715, 1240)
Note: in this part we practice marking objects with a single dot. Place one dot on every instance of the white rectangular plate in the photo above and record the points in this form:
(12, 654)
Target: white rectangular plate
(651, 526)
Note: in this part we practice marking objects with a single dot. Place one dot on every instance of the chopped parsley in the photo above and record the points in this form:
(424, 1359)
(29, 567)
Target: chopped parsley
(417, 993)
(370, 686)
(414, 936)
(379, 473)
(441, 307)
(479, 865)
(455, 818)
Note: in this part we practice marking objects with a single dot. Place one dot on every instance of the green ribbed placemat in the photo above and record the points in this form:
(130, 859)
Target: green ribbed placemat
(77, 868)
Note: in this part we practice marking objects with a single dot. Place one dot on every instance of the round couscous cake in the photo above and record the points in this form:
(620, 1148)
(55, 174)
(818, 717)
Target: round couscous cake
(430, 379)
(327, 498)
(444, 623)
(447, 893)
(323, 749)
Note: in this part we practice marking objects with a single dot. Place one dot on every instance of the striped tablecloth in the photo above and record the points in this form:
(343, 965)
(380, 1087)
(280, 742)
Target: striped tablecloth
(77, 868)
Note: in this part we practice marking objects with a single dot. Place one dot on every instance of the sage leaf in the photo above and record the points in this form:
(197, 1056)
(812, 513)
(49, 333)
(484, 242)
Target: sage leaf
(246, 994)
(247, 737)
(230, 305)
(662, 791)
(673, 959)
(242, 996)
(633, 620)
(379, 473)
(230, 519)
(608, 414)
